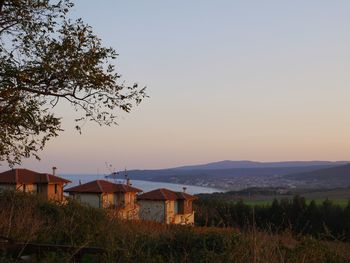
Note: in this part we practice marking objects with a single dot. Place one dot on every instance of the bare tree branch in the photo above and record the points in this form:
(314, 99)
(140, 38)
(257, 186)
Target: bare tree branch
(46, 57)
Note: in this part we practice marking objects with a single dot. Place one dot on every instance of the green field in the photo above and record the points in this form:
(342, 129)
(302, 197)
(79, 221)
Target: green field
(267, 202)
(265, 196)
(258, 202)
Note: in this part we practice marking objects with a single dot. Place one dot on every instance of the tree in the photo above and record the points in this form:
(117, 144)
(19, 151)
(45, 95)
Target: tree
(47, 58)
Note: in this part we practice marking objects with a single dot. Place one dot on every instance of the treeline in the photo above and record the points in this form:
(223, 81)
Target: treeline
(326, 220)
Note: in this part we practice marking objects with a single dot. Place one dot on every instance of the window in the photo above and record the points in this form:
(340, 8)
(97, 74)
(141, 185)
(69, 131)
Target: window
(38, 188)
(56, 189)
(24, 187)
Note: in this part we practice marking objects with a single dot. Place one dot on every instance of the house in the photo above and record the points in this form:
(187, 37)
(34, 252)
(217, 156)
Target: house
(166, 206)
(46, 185)
(120, 198)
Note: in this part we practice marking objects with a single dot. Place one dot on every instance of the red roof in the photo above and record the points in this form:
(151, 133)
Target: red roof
(165, 194)
(23, 176)
(102, 186)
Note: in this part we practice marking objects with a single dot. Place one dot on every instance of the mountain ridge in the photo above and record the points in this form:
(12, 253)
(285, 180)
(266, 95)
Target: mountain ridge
(230, 164)
(244, 174)
(332, 173)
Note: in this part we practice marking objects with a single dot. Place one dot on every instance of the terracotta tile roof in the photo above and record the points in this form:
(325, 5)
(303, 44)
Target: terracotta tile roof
(22, 176)
(165, 194)
(158, 194)
(102, 186)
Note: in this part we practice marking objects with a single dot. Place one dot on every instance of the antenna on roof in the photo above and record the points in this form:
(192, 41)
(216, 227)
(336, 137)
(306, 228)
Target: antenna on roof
(109, 167)
(127, 179)
(112, 172)
(115, 176)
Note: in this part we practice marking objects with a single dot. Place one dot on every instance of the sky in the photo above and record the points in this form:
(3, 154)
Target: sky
(238, 80)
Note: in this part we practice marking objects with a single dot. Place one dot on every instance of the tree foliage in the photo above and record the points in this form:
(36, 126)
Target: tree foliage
(326, 220)
(47, 58)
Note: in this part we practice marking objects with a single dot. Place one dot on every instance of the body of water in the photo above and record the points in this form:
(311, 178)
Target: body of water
(143, 185)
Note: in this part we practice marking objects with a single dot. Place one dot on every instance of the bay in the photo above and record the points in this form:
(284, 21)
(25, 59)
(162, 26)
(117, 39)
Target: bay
(145, 186)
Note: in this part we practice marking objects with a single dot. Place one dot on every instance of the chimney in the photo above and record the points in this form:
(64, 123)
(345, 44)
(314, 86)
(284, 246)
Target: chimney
(184, 189)
(128, 182)
(54, 170)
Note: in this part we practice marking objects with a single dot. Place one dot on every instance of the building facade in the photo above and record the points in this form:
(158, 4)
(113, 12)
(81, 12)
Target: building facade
(48, 186)
(166, 206)
(120, 199)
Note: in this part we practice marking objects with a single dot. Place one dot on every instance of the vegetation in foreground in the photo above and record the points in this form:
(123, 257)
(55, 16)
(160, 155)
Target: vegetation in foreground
(26, 218)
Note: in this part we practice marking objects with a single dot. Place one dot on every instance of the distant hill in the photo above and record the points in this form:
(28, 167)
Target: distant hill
(233, 174)
(339, 175)
(182, 175)
(250, 164)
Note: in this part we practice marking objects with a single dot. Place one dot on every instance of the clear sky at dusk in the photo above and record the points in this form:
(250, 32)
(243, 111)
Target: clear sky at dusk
(257, 80)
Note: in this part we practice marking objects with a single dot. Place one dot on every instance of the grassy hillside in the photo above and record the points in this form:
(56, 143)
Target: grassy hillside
(26, 218)
(339, 174)
(261, 195)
